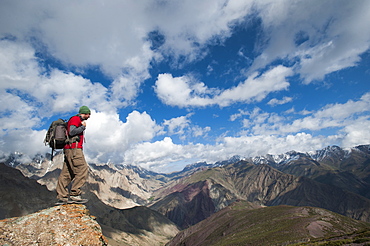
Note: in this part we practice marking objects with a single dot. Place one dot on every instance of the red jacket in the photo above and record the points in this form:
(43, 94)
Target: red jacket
(75, 121)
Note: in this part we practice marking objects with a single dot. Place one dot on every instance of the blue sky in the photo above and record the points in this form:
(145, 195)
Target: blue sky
(175, 82)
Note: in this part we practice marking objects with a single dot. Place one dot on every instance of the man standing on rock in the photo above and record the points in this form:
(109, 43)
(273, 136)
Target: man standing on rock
(75, 167)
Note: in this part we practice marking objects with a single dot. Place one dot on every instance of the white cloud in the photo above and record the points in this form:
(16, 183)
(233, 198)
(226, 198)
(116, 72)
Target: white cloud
(250, 146)
(24, 140)
(332, 39)
(198, 131)
(183, 127)
(161, 154)
(356, 133)
(113, 36)
(108, 138)
(188, 25)
(152, 155)
(181, 91)
(266, 136)
(185, 92)
(177, 125)
(16, 113)
(330, 116)
(43, 94)
(256, 88)
(273, 102)
(238, 115)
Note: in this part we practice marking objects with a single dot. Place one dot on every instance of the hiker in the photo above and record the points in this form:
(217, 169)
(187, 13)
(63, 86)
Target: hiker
(75, 167)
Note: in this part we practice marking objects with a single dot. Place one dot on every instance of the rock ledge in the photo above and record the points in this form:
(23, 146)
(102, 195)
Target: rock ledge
(60, 225)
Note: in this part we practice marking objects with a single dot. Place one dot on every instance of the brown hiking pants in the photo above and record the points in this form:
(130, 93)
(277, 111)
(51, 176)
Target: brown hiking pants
(74, 169)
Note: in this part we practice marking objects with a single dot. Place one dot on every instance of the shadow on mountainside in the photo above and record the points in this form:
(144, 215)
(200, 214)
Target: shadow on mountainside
(312, 193)
(134, 220)
(21, 195)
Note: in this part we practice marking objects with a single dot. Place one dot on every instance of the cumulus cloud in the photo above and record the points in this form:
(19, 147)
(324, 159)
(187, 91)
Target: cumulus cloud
(184, 128)
(153, 155)
(185, 92)
(108, 138)
(28, 96)
(163, 153)
(57, 92)
(331, 40)
(273, 102)
(177, 125)
(356, 133)
(24, 140)
(114, 37)
(330, 116)
(267, 135)
(182, 91)
(188, 25)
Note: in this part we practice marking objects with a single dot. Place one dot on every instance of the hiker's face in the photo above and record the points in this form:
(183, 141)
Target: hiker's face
(85, 116)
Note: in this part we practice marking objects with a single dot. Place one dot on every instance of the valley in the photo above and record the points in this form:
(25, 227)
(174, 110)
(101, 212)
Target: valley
(311, 195)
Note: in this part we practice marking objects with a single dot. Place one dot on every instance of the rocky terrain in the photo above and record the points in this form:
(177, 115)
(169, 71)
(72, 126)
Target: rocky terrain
(61, 225)
(135, 206)
(198, 196)
(348, 169)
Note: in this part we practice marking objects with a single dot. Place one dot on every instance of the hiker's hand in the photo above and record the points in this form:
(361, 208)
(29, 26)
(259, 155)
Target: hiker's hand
(83, 123)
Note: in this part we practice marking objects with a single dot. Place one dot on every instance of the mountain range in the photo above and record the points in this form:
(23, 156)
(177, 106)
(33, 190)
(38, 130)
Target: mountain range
(332, 179)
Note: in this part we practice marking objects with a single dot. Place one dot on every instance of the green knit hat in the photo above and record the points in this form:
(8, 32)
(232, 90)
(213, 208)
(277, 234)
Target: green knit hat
(84, 110)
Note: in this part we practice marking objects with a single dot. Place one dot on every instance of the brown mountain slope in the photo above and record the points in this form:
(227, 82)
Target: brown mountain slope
(346, 169)
(259, 184)
(187, 206)
(278, 225)
(270, 187)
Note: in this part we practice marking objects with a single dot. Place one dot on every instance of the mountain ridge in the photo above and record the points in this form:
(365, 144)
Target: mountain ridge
(332, 178)
(261, 185)
(238, 224)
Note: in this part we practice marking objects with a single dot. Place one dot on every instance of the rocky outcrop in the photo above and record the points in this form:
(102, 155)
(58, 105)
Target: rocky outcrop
(135, 226)
(59, 225)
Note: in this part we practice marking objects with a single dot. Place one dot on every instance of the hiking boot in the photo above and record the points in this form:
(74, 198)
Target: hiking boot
(77, 199)
(61, 201)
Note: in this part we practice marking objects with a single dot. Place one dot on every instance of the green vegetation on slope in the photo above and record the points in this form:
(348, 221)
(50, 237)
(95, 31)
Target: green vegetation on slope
(278, 225)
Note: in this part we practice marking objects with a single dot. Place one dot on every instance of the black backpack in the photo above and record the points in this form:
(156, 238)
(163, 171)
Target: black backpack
(56, 137)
